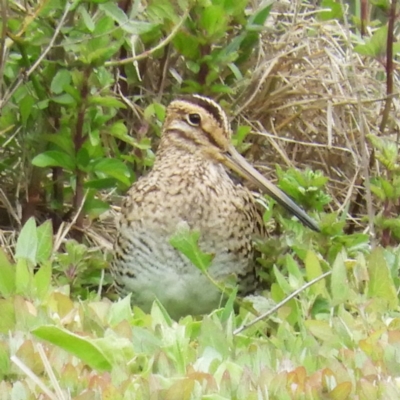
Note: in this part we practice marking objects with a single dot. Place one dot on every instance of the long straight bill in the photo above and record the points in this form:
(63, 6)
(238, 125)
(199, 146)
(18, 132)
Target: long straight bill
(237, 163)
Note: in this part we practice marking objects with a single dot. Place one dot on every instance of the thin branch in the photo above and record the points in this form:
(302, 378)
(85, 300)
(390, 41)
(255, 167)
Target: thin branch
(28, 372)
(26, 75)
(50, 372)
(148, 53)
(282, 303)
(389, 67)
(3, 5)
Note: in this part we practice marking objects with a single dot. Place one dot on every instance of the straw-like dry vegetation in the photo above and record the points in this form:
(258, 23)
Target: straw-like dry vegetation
(313, 95)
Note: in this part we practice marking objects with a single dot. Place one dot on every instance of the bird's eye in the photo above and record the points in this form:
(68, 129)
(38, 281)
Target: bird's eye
(194, 119)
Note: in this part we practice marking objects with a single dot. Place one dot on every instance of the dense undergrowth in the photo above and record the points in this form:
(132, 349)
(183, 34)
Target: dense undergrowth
(83, 89)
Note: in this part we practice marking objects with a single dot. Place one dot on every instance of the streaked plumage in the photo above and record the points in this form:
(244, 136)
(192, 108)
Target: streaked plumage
(189, 185)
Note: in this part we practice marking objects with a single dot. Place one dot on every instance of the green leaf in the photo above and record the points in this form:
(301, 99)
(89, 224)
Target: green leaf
(27, 243)
(25, 108)
(314, 270)
(54, 158)
(376, 45)
(23, 277)
(334, 10)
(42, 279)
(112, 167)
(282, 282)
(96, 207)
(380, 280)
(119, 131)
(106, 101)
(87, 19)
(261, 16)
(120, 311)
(186, 242)
(61, 79)
(7, 320)
(101, 54)
(321, 330)
(187, 45)
(339, 282)
(45, 241)
(342, 391)
(83, 158)
(214, 20)
(79, 346)
(103, 183)
(65, 99)
(112, 10)
(7, 275)
(62, 140)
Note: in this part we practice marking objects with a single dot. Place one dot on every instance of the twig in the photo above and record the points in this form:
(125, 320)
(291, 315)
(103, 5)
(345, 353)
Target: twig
(389, 67)
(63, 232)
(148, 53)
(3, 6)
(280, 304)
(24, 368)
(50, 372)
(26, 75)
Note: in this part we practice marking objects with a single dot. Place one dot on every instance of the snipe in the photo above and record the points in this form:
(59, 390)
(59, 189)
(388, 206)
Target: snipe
(189, 184)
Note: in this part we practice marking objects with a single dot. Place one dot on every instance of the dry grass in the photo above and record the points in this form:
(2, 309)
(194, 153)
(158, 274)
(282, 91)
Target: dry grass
(311, 99)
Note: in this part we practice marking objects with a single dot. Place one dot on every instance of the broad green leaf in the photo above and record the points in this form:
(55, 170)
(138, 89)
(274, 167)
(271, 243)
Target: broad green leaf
(332, 10)
(65, 99)
(260, 16)
(380, 280)
(235, 7)
(42, 279)
(342, 391)
(23, 277)
(154, 110)
(376, 45)
(214, 20)
(95, 207)
(25, 108)
(293, 268)
(87, 19)
(102, 183)
(73, 91)
(61, 79)
(45, 241)
(7, 275)
(116, 13)
(339, 282)
(119, 129)
(101, 54)
(186, 242)
(79, 346)
(4, 359)
(221, 88)
(83, 159)
(212, 336)
(187, 45)
(314, 270)
(27, 243)
(54, 158)
(282, 281)
(106, 101)
(63, 141)
(119, 311)
(7, 320)
(321, 330)
(112, 167)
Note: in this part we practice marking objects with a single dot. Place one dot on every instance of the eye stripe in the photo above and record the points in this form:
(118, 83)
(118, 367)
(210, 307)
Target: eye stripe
(211, 107)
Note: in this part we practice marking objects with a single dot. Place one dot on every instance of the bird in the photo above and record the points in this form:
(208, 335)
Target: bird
(191, 184)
